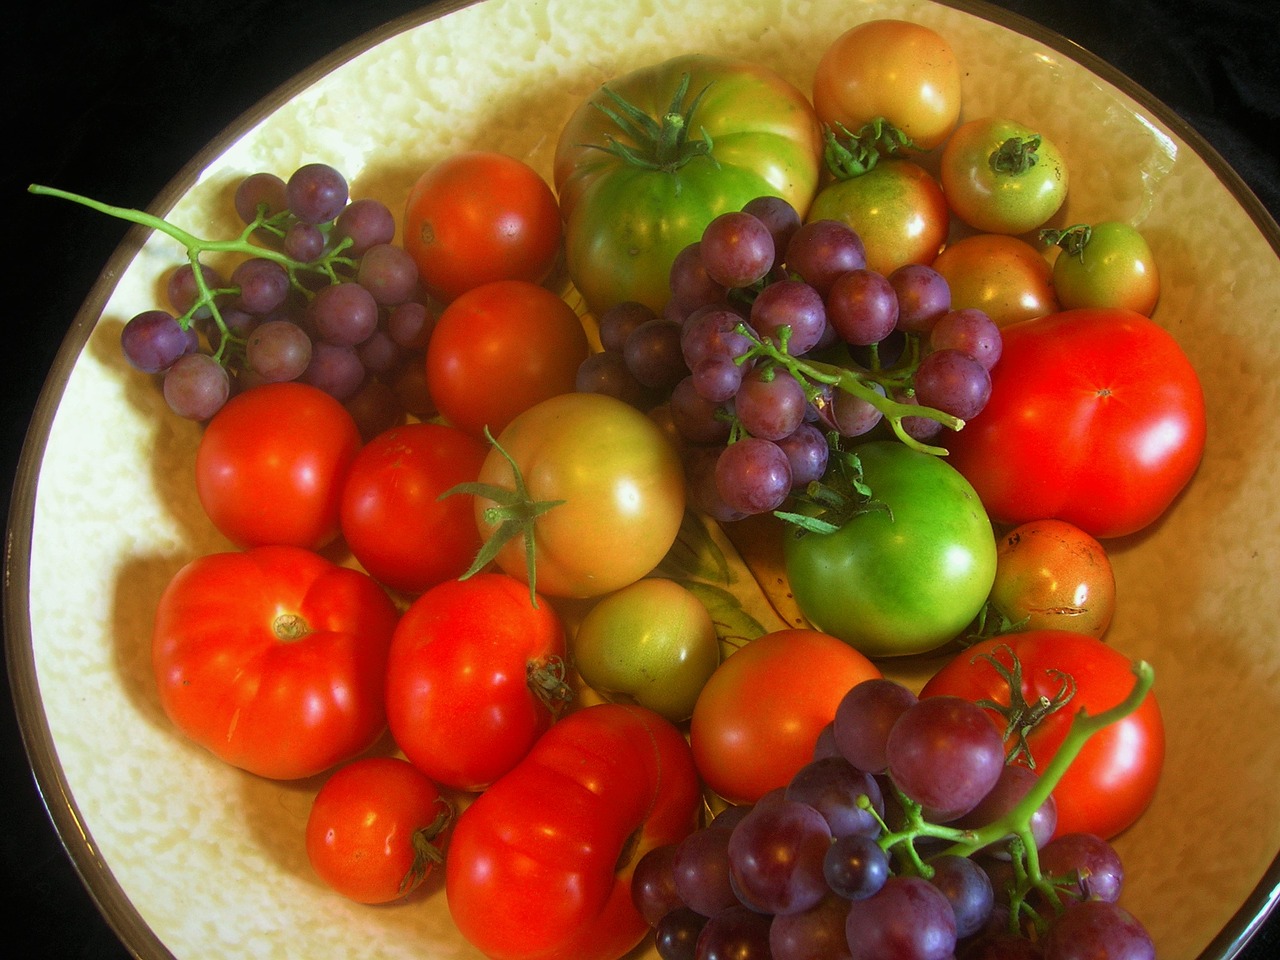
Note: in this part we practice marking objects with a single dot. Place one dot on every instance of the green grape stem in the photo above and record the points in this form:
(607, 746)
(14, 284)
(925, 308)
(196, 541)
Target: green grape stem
(808, 372)
(199, 246)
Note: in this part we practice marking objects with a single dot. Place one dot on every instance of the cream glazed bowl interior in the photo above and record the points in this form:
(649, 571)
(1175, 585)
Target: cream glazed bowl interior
(109, 513)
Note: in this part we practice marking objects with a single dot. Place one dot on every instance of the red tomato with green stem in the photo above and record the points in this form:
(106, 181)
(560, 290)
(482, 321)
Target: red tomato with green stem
(1096, 417)
(479, 216)
(498, 350)
(758, 717)
(377, 829)
(271, 464)
(400, 529)
(1114, 777)
(540, 864)
(274, 659)
(475, 675)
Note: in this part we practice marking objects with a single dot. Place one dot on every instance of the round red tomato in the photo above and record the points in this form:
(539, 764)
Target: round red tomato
(477, 217)
(393, 517)
(758, 717)
(896, 69)
(475, 675)
(1005, 277)
(271, 464)
(498, 350)
(274, 659)
(540, 865)
(1096, 417)
(377, 829)
(1113, 778)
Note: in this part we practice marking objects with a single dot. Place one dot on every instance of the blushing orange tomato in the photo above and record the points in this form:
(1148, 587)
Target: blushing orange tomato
(1004, 276)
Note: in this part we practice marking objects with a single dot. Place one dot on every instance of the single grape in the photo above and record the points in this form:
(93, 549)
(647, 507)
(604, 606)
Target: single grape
(907, 919)
(1012, 785)
(695, 418)
(607, 372)
(712, 334)
(852, 415)
(701, 487)
(1089, 865)
(813, 934)
(375, 408)
(182, 291)
(808, 452)
(972, 332)
(863, 719)
(410, 324)
(196, 386)
(862, 307)
(855, 867)
(921, 428)
(753, 475)
(653, 354)
(343, 313)
(794, 304)
(833, 786)
(260, 193)
(923, 296)
(736, 249)
(952, 382)
(316, 193)
(967, 888)
(616, 323)
(379, 353)
(653, 884)
(945, 754)
(304, 242)
(700, 871)
(389, 272)
(770, 403)
(691, 286)
(278, 350)
(716, 381)
(366, 222)
(821, 250)
(776, 857)
(1096, 928)
(335, 368)
(153, 341)
(675, 936)
(779, 216)
(734, 934)
(263, 285)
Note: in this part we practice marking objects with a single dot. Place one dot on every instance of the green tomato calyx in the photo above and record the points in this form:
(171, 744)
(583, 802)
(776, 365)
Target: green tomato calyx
(1021, 717)
(655, 144)
(836, 499)
(1016, 155)
(850, 154)
(1072, 240)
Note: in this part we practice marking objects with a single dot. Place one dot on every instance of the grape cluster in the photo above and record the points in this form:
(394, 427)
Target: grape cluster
(906, 836)
(322, 295)
(778, 340)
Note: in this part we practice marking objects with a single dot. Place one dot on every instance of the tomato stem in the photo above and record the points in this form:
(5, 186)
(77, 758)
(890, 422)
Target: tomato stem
(657, 144)
(851, 154)
(1016, 155)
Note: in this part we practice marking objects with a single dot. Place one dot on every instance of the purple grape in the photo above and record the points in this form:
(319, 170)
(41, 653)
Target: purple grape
(606, 372)
(814, 934)
(695, 418)
(863, 719)
(923, 296)
(196, 386)
(304, 242)
(334, 368)
(675, 936)
(972, 332)
(700, 871)
(366, 223)
(808, 452)
(153, 341)
(753, 475)
(263, 285)
(1014, 782)
(967, 888)
(794, 304)
(653, 884)
(258, 191)
(410, 324)
(617, 322)
(1091, 866)
(734, 934)
(691, 287)
(343, 313)
(852, 415)
(779, 216)
(379, 353)
(712, 334)
(855, 867)
(862, 307)
(832, 786)
(770, 403)
(821, 250)
(653, 354)
(1096, 928)
(908, 919)
(183, 292)
(701, 487)
(776, 856)
(388, 272)
(736, 249)
(278, 350)
(316, 193)
(952, 382)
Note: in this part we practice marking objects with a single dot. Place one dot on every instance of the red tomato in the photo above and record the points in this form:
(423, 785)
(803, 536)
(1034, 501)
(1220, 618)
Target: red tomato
(393, 517)
(475, 676)
(1005, 277)
(757, 719)
(477, 217)
(896, 69)
(377, 829)
(1096, 417)
(274, 659)
(271, 464)
(500, 349)
(1112, 780)
(540, 864)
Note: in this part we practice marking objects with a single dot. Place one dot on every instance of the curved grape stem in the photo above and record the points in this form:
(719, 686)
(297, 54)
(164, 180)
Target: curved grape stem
(196, 246)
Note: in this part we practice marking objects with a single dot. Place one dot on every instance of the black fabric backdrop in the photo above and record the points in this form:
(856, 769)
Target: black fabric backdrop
(112, 99)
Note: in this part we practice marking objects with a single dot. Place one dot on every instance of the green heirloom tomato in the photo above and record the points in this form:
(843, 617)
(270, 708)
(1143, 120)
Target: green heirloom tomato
(652, 643)
(1002, 177)
(707, 134)
(910, 573)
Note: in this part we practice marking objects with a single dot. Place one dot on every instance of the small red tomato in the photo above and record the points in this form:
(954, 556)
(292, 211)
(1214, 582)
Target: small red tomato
(377, 829)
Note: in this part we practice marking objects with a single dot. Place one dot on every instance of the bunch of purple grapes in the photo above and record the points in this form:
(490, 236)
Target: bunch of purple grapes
(777, 338)
(903, 838)
(323, 295)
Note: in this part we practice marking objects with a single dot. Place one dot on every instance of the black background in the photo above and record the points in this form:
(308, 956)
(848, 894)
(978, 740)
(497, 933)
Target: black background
(112, 99)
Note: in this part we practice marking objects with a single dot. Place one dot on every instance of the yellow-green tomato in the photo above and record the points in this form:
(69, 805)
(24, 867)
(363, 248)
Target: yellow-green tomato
(652, 643)
(1108, 264)
(1052, 575)
(1001, 176)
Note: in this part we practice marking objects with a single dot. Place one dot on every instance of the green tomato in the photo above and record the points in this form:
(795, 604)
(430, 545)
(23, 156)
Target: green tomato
(714, 133)
(652, 643)
(1108, 264)
(907, 576)
(1002, 177)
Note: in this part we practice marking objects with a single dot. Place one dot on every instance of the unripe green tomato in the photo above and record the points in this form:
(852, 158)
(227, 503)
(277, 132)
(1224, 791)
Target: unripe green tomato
(652, 643)
(1113, 266)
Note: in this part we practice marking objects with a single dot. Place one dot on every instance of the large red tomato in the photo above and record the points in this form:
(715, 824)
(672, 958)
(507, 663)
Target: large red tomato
(758, 717)
(274, 659)
(393, 517)
(1113, 778)
(1096, 417)
(540, 865)
(271, 464)
(475, 675)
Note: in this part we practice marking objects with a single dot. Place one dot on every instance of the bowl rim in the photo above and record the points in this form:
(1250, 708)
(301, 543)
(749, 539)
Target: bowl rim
(73, 832)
